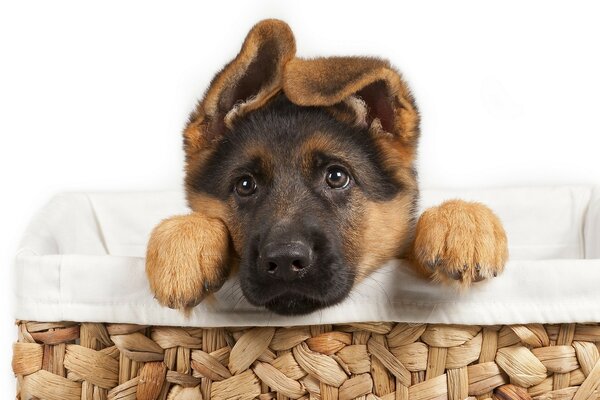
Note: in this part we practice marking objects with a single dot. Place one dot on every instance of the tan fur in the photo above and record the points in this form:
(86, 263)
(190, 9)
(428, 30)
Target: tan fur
(208, 206)
(460, 242)
(187, 258)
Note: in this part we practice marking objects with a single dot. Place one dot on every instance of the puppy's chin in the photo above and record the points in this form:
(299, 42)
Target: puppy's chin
(296, 298)
(290, 303)
(293, 304)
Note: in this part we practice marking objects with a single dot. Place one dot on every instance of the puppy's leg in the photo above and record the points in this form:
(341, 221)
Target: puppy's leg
(187, 259)
(460, 242)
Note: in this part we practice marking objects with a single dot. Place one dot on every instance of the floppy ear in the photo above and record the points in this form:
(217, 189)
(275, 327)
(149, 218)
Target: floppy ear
(338, 81)
(246, 83)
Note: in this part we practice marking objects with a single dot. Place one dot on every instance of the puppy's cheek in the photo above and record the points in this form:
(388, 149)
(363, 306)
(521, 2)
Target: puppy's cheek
(252, 291)
(239, 240)
(237, 248)
(386, 232)
(248, 275)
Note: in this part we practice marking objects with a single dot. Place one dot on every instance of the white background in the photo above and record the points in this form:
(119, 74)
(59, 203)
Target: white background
(93, 95)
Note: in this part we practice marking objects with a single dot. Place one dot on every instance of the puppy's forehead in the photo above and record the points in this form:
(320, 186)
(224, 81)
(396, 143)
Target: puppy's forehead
(302, 153)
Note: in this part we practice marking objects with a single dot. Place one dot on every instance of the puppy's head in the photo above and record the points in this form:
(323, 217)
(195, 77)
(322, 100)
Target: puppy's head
(310, 165)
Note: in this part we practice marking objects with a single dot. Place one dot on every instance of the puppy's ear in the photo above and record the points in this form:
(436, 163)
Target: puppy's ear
(246, 83)
(339, 81)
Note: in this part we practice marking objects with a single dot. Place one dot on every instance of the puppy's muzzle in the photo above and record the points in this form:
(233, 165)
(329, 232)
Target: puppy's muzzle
(285, 260)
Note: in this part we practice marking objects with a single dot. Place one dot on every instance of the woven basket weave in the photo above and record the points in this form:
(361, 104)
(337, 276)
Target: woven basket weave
(67, 361)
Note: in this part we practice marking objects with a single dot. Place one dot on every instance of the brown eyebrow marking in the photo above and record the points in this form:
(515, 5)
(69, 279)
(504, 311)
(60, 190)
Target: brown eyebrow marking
(260, 161)
(320, 143)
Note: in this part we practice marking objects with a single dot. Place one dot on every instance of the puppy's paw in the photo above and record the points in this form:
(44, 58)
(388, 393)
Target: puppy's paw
(187, 259)
(460, 242)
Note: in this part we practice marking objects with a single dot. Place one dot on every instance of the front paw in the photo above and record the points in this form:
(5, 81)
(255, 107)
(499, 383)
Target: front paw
(187, 259)
(460, 242)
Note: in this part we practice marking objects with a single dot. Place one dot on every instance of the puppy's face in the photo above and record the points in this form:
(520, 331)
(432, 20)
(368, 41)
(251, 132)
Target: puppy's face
(315, 181)
(309, 201)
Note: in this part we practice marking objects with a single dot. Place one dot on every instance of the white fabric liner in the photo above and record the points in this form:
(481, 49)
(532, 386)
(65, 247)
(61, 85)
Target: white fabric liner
(81, 259)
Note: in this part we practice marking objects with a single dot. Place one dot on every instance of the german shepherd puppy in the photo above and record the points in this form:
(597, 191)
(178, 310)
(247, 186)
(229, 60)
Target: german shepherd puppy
(301, 176)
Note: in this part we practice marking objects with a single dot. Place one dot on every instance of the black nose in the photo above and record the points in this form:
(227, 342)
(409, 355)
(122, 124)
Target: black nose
(286, 261)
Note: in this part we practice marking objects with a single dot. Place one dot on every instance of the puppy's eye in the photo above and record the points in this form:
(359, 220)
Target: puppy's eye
(337, 178)
(245, 186)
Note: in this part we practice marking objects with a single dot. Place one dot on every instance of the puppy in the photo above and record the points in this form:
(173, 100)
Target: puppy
(301, 177)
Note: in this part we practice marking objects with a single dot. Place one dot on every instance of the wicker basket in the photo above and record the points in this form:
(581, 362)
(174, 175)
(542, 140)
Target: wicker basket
(69, 361)
(82, 260)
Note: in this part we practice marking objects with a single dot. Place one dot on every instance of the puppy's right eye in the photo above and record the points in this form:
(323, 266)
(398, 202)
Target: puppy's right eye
(337, 178)
(245, 186)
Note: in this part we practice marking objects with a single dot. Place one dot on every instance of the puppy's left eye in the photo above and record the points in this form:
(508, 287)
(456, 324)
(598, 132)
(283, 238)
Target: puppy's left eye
(337, 178)
(245, 186)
